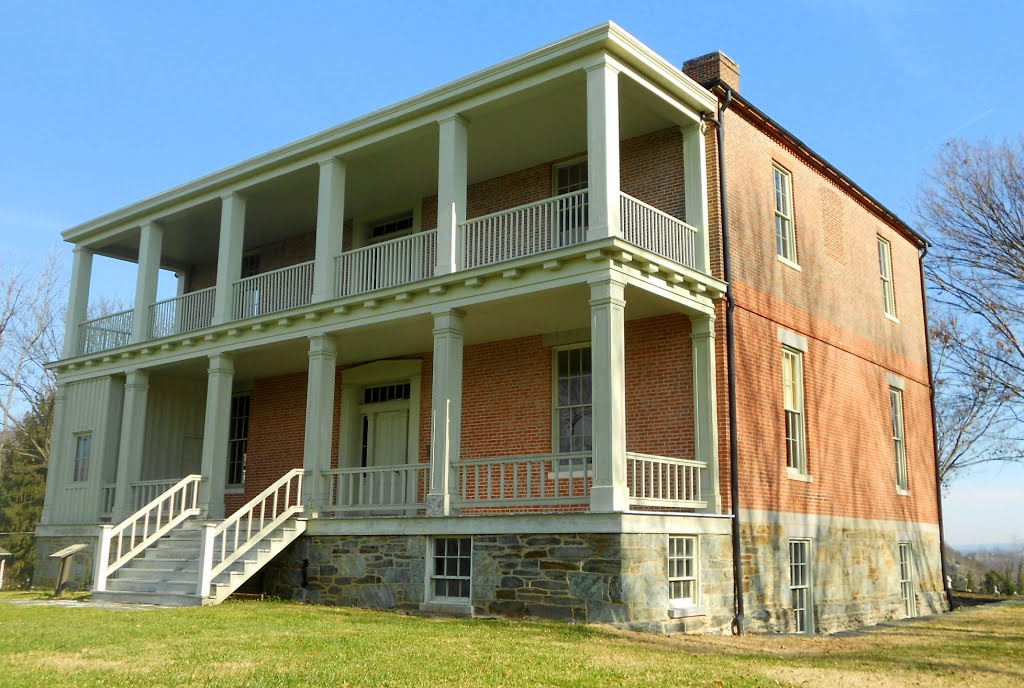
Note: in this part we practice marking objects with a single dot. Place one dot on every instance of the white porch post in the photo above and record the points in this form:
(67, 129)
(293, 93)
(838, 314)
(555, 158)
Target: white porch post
(133, 434)
(55, 471)
(446, 414)
(229, 255)
(695, 183)
(316, 458)
(603, 151)
(607, 317)
(220, 377)
(705, 408)
(78, 299)
(330, 222)
(452, 176)
(150, 243)
(182, 280)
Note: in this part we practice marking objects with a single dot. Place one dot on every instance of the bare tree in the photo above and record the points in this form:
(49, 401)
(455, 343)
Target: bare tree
(972, 205)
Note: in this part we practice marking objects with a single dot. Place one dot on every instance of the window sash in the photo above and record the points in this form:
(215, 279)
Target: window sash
(452, 569)
(785, 237)
(83, 453)
(800, 584)
(682, 569)
(573, 395)
(238, 438)
(885, 273)
(907, 580)
(898, 437)
(793, 403)
(571, 177)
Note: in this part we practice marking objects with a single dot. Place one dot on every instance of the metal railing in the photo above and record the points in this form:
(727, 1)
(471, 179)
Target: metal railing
(273, 291)
(192, 311)
(658, 232)
(121, 543)
(525, 230)
(105, 332)
(663, 481)
(542, 479)
(225, 543)
(377, 488)
(387, 264)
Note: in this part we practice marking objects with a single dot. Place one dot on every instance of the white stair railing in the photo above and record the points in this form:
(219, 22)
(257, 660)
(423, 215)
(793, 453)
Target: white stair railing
(128, 539)
(224, 543)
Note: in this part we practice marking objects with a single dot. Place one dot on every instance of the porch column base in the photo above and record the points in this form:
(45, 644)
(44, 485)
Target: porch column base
(439, 505)
(605, 499)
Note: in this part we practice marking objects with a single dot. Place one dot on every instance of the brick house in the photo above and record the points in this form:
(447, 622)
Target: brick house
(470, 353)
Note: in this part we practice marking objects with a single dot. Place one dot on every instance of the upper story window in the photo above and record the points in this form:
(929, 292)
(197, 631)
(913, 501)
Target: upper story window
(885, 270)
(785, 235)
(238, 438)
(83, 452)
(392, 227)
(793, 401)
(570, 177)
(573, 212)
(250, 265)
(573, 415)
(898, 438)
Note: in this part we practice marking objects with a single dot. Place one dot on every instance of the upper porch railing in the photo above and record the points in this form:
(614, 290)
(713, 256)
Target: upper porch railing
(525, 230)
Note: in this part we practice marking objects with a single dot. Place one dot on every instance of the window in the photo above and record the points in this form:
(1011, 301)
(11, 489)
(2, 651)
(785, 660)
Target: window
(793, 401)
(571, 177)
(572, 210)
(573, 413)
(238, 438)
(898, 443)
(392, 227)
(682, 570)
(83, 451)
(785, 236)
(907, 580)
(250, 265)
(885, 269)
(248, 303)
(385, 393)
(451, 574)
(800, 584)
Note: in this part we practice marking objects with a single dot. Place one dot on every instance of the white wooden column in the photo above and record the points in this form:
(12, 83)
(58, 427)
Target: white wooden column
(452, 176)
(705, 408)
(133, 435)
(603, 151)
(695, 183)
(446, 414)
(182, 281)
(55, 471)
(219, 379)
(316, 457)
(330, 223)
(607, 317)
(150, 242)
(78, 299)
(229, 255)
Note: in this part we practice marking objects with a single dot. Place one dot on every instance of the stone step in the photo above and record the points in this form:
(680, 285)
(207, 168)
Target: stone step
(151, 586)
(168, 564)
(172, 575)
(158, 599)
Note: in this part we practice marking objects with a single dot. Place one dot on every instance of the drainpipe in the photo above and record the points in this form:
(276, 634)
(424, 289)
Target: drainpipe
(935, 435)
(730, 346)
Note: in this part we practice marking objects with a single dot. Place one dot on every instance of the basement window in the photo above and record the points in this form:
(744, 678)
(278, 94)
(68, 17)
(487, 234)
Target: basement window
(682, 570)
(451, 573)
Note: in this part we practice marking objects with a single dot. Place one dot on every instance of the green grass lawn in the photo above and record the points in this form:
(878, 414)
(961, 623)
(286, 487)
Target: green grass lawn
(283, 644)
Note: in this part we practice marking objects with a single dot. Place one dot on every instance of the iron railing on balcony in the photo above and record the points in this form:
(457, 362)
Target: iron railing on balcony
(525, 230)
(192, 311)
(105, 332)
(273, 291)
(658, 232)
(386, 264)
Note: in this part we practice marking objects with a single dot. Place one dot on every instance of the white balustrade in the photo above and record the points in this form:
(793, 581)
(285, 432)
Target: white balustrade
(387, 264)
(542, 479)
(108, 495)
(525, 230)
(223, 544)
(121, 543)
(145, 491)
(662, 481)
(192, 311)
(658, 232)
(106, 332)
(273, 291)
(377, 488)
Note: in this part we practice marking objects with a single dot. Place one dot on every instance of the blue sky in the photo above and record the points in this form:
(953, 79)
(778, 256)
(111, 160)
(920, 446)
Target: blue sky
(106, 103)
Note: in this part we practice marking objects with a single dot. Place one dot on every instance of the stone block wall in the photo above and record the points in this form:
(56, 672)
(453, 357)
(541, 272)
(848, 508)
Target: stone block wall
(580, 577)
(47, 569)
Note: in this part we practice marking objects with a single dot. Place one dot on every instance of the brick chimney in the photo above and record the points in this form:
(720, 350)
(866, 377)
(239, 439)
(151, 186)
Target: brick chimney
(717, 65)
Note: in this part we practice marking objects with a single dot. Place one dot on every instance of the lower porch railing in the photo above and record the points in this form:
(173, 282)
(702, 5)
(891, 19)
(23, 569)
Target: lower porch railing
(377, 488)
(541, 479)
(663, 481)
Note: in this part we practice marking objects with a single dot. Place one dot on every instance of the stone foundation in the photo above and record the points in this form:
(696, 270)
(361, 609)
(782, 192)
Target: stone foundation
(47, 569)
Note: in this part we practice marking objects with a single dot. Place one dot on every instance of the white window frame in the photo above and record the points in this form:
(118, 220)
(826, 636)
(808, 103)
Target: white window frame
(556, 407)
(81, 465)
(686, 551)
(432, 576)
(557, 167)
(785, 225)
(801, 585)
(899, 441)
(793, 387)
(362, 226)
(885, 273)
(907, 592)
(234, 441)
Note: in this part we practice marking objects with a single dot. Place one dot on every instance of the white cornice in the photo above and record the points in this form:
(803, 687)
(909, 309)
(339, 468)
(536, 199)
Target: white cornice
(309, 150)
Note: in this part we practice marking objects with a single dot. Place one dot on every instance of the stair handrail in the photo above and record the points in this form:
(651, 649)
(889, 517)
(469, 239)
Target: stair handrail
(144, 527)
(216, 536)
